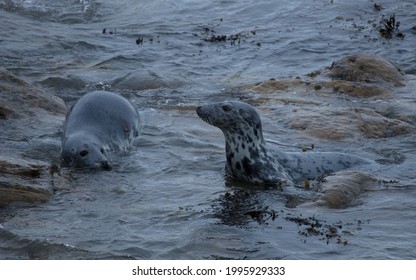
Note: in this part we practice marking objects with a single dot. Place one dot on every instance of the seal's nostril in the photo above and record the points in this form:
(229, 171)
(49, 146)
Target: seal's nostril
(105, 165)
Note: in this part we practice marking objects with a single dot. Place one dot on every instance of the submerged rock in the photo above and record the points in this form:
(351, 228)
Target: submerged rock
(341, 123)
(139, 80)
(341, 189)
(26, 112)
(361, 76)
(64, 83)
(365, 68)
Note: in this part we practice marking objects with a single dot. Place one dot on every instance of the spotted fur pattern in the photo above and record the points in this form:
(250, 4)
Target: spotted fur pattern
(250, 159)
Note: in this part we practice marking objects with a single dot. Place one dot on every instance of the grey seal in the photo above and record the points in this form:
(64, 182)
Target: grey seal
(250, 159)
(100, 121)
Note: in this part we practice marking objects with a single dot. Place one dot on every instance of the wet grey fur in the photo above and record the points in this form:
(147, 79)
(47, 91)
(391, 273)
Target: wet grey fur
(250, 159)
(100, 121)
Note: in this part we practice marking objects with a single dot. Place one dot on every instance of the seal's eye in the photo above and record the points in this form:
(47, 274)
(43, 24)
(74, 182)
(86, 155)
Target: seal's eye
(83, 153)
(226, 108)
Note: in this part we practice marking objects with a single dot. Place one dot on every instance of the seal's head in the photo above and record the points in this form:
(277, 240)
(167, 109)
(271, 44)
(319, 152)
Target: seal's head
(84, 151)
(246, 153)
(233, 118)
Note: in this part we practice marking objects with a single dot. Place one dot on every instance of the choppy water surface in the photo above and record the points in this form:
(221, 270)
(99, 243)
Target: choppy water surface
(167, 198)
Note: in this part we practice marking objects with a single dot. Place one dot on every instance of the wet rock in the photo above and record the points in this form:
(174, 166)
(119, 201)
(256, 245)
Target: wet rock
(273, 86)
(339, 123)
(22, 181)
(364, 70)
(320, 84)
(11, 193)
(341, 189)
(26, 113)
(64, 83)
(27, 168)
(20, 100)
(360, 75)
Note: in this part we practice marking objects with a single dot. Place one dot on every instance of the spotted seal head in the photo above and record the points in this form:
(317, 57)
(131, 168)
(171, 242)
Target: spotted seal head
(99, 122)
(248, 156)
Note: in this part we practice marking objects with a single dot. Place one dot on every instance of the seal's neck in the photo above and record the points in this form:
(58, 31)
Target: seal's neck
(243, 150)
(242, 141)
(249, 159)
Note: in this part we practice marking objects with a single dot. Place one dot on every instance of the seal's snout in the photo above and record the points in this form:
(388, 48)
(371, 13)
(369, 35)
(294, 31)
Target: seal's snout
(105, 165)
(202, 114)
(198, 110)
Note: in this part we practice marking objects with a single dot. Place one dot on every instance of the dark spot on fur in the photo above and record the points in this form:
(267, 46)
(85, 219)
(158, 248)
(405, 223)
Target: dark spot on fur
(243, 146)
(229, 160)
(238, 166)
(248, 168)
(253, 153)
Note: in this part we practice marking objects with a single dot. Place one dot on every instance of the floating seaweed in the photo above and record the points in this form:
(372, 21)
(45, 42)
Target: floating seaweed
(390, 27)
(320, 229)
(139, 41)
(209, 34)
(377, 7)
(234, 39)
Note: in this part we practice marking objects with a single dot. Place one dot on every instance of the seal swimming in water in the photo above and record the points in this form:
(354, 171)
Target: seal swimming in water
(98, 122)
(250, 159)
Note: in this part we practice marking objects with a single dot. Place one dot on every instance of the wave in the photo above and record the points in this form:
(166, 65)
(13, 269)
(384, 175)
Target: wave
(14, 247)
(67, 12)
